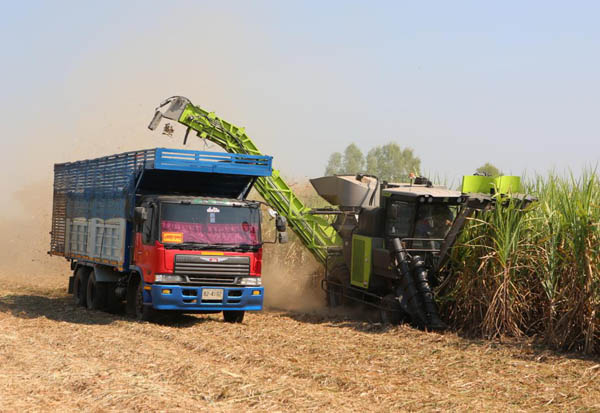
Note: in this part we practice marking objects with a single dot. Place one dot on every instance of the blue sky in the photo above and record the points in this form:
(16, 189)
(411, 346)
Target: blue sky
(463, 83)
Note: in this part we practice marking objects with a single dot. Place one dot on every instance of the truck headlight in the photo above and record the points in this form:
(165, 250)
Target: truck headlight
(250, 281)
(169, 278)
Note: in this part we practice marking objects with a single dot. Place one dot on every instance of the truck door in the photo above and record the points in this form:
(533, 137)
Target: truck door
(145, 245)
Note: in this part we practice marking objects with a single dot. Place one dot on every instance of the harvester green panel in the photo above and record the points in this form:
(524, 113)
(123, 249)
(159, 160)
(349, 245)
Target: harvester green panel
(485, 184)
(315, 232)
(362, 262)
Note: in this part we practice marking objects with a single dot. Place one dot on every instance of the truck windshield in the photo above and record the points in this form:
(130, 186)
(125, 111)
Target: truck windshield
(209, 224)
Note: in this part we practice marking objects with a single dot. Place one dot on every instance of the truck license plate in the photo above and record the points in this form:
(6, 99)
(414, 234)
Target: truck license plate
(212, 294)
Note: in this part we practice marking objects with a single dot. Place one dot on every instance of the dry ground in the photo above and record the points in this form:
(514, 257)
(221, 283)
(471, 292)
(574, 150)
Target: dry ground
(54, 356)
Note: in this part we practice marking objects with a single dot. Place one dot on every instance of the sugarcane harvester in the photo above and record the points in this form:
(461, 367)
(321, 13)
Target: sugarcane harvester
(382, 244)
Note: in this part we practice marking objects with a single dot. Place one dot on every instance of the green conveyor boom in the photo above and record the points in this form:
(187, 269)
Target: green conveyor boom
(315, 232)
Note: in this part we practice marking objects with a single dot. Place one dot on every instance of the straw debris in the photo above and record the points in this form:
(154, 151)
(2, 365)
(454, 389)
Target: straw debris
(55, 356)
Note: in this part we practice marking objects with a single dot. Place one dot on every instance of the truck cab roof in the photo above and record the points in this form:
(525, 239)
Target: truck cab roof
(183, 199)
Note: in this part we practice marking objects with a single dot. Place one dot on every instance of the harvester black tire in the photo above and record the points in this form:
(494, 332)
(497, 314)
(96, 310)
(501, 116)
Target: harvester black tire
(95, 293)
(233, 316)
(80, 286)
(335, 296)
(142, 312)
(336, 280)
(390, 311)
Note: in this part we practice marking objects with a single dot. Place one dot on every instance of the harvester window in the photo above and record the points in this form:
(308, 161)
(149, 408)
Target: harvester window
(433, 221)
(399, 219)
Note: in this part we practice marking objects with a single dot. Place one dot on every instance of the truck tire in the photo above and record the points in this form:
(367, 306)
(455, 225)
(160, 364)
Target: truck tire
(142, 312)
(233, 316)
(114, 304)
(96, 293)
(80, 286)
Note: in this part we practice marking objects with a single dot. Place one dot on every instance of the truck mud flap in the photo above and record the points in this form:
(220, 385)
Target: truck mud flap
(71, 284)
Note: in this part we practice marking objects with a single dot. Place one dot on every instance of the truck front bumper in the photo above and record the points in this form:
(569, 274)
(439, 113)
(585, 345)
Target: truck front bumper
(188, 298)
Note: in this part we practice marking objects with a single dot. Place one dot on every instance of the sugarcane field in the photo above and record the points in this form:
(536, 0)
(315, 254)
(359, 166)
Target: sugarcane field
(285, 207)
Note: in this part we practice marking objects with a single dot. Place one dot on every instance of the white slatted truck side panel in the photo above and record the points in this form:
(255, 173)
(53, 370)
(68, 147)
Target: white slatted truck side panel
(98, 239)
(92, 201)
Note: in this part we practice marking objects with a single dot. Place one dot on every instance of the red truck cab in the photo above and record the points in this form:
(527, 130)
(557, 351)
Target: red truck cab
(199, 254)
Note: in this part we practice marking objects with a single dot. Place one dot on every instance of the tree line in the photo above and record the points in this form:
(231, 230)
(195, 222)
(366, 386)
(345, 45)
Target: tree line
(389, 162)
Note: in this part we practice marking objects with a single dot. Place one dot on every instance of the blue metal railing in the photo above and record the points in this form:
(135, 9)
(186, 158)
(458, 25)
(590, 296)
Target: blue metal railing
(212, 162)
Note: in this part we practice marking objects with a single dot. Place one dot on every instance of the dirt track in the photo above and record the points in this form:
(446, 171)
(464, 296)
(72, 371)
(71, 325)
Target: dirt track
(56, 356)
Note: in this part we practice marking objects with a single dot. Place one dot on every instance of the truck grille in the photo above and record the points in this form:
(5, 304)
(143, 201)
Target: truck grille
(212, 280)
(212, 268)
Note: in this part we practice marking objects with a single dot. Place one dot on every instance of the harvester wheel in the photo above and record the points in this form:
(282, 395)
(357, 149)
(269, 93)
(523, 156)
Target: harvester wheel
(390, 310)
(336, 280)
(80, 286)
(233, 316)
(95, 293)
(334, 294)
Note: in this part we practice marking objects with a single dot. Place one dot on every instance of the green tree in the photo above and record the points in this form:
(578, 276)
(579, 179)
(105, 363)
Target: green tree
(354, 160)
(334, 165)
(350, 163)
(488, 169)
(392, 163)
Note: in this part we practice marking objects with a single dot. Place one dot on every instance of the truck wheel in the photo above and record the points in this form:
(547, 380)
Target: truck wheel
(390, 310)
(233, 316)
(80, 286)
(114, 304)
(142, 312)
(96, 294)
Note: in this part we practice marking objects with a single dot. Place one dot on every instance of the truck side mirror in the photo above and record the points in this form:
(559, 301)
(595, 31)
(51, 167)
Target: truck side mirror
(280, 223)
(140, 214)
(282, 237)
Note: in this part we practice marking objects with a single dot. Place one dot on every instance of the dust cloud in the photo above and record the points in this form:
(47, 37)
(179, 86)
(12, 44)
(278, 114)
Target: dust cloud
(25, 240)
(293, 287)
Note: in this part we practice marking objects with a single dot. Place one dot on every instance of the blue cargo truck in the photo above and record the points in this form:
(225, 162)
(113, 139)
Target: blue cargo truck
(162, 230)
